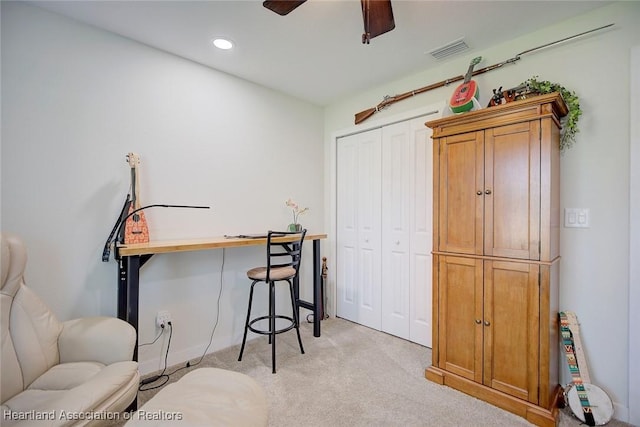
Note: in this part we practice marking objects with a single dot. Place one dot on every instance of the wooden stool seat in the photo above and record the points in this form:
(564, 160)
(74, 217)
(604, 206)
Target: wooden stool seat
(282, 273)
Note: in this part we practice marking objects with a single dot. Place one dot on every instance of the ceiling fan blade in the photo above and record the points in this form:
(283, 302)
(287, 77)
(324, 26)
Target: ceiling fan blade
(378, 18)
(282, 7)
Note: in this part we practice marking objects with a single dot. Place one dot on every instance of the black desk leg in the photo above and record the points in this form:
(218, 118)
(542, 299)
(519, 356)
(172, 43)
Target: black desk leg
(317, 289)
(123, 283)
(132, 267)
(129, 291)
(316, 306)
(128, 282)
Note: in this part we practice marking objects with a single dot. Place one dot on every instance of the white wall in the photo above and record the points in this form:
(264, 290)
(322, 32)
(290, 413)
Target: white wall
(75, 100)
(634, 233)
(595, 172)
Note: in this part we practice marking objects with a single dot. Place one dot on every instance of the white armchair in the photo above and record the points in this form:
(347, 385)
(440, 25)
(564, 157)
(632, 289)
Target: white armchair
(78, 372)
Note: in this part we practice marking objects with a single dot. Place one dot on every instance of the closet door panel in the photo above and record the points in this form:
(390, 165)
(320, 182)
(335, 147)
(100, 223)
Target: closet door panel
(368, 219)
(347, 235)
(396, 180)
(358, 228)
(421, 211)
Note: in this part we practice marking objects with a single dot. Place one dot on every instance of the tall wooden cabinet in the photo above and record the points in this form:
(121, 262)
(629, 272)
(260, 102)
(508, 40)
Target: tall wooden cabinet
(496, 255)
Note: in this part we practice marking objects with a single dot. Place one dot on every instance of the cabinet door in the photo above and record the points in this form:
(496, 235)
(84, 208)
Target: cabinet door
(512, 191)
(460, 316)
(461, 190)
(511, 328)
(358, 223)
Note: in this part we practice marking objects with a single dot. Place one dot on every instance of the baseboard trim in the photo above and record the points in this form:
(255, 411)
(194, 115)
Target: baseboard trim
(175, 358)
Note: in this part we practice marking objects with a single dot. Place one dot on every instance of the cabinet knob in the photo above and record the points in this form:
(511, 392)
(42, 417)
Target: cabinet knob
(486, 323)
(397, 242)
(479, 192)
(487, 191)
(478, 321)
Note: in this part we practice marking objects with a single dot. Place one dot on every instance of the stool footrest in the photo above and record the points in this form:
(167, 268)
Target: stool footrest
(268, 332)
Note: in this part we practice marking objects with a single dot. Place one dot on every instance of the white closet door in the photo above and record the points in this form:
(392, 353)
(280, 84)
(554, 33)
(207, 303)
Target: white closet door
(396, 228)
(407, 190)
(421, 208)
(358, 223)
(385, 229)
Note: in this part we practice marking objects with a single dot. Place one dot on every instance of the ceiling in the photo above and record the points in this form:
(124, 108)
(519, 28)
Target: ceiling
(316, 53)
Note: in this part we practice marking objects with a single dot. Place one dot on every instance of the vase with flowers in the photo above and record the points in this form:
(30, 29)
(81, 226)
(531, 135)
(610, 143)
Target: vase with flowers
(296, 211)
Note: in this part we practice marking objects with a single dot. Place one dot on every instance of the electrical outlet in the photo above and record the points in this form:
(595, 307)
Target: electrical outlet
(162, 318)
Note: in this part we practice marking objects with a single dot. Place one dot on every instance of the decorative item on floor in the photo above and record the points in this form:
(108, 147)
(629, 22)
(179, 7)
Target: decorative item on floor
(297, 211)
(323, 295)
(570, 121)
(589, 403)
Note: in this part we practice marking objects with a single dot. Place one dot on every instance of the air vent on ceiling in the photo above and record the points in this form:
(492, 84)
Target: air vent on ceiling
(449, 49)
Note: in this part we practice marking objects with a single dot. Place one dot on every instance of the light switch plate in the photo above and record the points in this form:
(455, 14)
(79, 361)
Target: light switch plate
(576, 217)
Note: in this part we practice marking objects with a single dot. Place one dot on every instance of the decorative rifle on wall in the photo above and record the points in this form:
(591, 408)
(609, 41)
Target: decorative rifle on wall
(389, 100)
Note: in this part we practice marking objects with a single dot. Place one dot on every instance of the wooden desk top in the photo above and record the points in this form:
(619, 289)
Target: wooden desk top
(168, 246)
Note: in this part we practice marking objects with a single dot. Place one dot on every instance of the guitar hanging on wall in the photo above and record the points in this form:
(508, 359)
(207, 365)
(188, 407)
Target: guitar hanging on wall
(135, 228)
(466, 92)
(589, 403)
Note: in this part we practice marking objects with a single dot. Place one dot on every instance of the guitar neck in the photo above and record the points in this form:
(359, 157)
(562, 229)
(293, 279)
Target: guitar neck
(475, 61)
(577, 342)
(134, 189)
(134, 160)
(137, 191)
(467, 77)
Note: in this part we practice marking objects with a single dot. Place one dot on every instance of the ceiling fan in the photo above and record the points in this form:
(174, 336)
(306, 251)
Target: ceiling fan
(377, 15)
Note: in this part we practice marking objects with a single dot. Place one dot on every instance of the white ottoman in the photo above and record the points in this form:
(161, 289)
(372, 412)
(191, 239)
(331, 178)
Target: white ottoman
(206, 397)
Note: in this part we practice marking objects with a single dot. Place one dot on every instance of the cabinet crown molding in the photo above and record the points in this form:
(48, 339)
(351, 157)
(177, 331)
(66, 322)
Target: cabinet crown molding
(535, 107)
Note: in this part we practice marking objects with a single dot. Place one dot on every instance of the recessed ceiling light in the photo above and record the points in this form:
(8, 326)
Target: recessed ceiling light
(223, 44)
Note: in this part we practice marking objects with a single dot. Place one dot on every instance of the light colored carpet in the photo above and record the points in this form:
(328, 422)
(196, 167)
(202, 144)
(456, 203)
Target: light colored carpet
(354, 376)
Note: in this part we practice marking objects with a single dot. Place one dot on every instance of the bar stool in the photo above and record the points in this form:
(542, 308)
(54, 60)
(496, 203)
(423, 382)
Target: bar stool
(284, 251)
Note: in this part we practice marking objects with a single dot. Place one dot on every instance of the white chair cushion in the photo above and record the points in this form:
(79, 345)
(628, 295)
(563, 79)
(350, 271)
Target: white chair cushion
(100, 339)
(66, 376)
(35, 330)
(98, 389)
